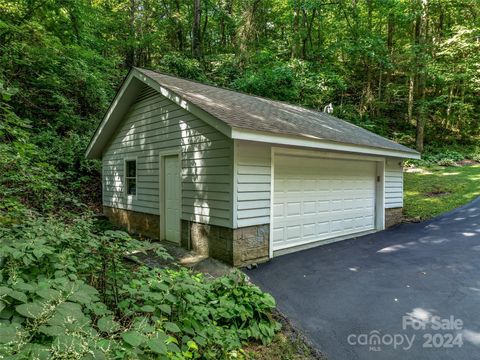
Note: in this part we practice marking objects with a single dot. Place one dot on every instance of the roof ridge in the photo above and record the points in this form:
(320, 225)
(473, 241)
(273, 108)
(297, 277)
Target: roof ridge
(275, 116)
(302, 107)
(238, 91)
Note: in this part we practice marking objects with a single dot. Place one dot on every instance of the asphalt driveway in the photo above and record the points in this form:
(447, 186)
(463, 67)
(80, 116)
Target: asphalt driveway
(409, 292)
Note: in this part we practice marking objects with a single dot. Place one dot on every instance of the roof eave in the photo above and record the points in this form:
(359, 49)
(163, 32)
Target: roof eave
(315, 143)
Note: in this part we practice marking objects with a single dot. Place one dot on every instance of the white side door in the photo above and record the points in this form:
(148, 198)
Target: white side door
(172, 198)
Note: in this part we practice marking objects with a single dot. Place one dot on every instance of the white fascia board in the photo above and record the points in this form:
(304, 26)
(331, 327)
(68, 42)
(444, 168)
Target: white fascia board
(242, 134)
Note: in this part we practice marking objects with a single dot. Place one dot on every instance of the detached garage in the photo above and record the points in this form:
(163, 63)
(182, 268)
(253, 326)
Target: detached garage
(239, 177)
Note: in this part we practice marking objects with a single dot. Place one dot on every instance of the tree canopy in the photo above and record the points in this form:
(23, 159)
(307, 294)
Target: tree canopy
(406, 69)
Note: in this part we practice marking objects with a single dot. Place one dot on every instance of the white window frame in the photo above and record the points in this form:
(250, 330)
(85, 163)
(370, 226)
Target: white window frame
(125, 178)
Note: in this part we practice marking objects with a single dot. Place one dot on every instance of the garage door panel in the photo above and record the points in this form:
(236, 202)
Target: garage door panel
(317, 199)
(323, 206)
(309, 208)
(293, 208)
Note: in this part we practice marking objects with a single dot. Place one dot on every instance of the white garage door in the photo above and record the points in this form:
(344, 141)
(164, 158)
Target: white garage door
(317, 199)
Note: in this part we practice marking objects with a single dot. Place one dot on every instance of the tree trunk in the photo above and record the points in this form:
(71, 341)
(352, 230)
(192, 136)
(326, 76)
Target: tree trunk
(178, 25)
(388, 77)
(196, 36)
(227, 10)
(205, 24)
(247, 31)
(130, 51)
(296, 29)
(307, 38)
(411, 88)
(421, 34)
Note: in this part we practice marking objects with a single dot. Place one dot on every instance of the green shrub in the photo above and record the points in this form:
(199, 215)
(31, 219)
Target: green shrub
(442, 157)
(446, 162)
(67, 293)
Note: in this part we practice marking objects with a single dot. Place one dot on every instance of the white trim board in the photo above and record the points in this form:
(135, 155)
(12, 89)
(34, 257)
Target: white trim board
(242, 134)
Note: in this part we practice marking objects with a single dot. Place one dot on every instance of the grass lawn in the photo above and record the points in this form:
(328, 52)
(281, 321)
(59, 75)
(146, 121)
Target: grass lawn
(437, 190)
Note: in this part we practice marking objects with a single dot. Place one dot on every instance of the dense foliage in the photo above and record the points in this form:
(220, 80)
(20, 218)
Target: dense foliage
(66, 293)
(406, 69)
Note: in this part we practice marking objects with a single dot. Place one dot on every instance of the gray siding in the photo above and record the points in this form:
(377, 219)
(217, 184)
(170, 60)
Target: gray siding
(393, 183)
(253, 183)
(153, 124)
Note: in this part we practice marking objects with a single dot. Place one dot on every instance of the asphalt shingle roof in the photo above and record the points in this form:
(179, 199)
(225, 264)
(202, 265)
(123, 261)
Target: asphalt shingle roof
(243, 111)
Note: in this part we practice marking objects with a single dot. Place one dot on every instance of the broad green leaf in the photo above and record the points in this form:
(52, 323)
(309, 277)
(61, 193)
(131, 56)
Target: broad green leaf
(2, 306)
(38, 253)
(17, 295)
(165, 308)
(80, 297)
(5, 290)
(24, 287)
(70, 309)
(69, 315)
(173, 348)
(192, 345)
(171, 298)
(31, 310)
(171, 327)
(107, 324)
(147, 308)
(157, 345)
(133, 338)
(54, 330)
(68, 344)
(159, 286)
(200, 340)
(48, 294)
(7, 334)
(35, 351)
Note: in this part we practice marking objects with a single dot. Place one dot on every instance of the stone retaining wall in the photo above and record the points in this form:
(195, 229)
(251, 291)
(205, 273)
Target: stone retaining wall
(135, 222)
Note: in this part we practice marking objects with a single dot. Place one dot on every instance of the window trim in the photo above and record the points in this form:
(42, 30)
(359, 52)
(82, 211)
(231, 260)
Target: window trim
(125, 178)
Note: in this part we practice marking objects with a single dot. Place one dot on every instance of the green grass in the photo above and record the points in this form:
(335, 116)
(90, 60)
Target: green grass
(438, 190)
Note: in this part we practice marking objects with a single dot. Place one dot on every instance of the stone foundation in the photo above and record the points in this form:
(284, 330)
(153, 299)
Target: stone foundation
(250, 244)
(135, 222)
(393, 217)
(237, 247)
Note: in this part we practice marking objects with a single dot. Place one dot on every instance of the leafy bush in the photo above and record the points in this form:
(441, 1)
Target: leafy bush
(442, 157)
(476, 157)
(67, 293)
(446, 162)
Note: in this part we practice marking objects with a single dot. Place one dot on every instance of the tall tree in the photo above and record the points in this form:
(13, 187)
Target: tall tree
(421, 28)
(196, 30)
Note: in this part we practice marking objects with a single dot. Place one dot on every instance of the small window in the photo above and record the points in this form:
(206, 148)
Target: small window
(131, 177)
